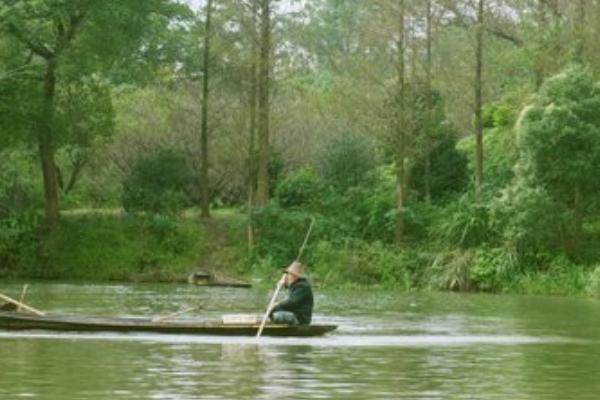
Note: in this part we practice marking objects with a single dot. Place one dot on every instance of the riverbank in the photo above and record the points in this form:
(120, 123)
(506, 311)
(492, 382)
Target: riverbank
(111, 246)
(108, 245)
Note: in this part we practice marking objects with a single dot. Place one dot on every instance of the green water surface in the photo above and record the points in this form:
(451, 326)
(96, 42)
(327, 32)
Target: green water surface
(388, 346)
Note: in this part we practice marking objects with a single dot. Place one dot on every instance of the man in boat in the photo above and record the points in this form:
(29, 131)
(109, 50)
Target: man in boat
(296, 309)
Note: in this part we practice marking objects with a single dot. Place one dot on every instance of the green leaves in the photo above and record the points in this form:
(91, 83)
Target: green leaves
(559, 136)
(556, 177)
(158, 184)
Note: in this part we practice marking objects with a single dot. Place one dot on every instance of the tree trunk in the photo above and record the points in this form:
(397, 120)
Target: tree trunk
(580, 31)
(77, 168)
(401, 133)
(479, 102)
(47, 150)
(538, 64)
(252, 129)
(204, 182)
(429, 129)
(264, 65)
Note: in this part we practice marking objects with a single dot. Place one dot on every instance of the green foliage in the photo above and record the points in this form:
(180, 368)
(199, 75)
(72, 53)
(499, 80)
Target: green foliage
(19, 240)
(300, 188)
(556, 182)
(359, 213)
(347, 161)
(493, 268)
(158, 184)
(19, 219)
(464, 223)
(448, 169)
(593, 284)
(108, 248)
(559, 139)
(19, 105)
(451, 270)
(528, 219)
(498, 115)
(500, 156)
(84, 111)
(560, 277)
(361, 263)
(280, 233)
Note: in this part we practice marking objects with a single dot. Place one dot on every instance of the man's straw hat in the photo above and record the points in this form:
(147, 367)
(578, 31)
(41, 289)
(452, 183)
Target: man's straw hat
(296, 268)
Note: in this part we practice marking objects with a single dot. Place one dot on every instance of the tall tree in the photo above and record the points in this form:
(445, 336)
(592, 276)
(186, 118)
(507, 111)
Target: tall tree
(580, 27)
(252, 94)
(67, 39)
(428, 88)
(400, 127)
(479, 99)
(264, 69)
(204, 181)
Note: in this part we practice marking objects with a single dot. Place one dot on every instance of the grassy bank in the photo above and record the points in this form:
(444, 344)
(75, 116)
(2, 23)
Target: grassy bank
(109, 246)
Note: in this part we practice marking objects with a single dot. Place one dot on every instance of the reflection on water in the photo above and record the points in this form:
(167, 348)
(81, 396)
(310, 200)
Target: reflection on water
(416, 346)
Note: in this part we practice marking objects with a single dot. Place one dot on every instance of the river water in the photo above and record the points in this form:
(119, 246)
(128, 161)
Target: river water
(388, 346)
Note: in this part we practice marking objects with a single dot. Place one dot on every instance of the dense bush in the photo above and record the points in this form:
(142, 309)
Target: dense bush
(464, 223)
(280, 232)
(361, 263)
(97, 247)
(347, 161)
(302, 188)
(159, 184)
(20, 200)
(497, 115)
(448, 169)
(19, 240)
(559, 139)
(528, 220)
(557, 182)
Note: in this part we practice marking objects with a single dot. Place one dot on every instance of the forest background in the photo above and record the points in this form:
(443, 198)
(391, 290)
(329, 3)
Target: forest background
(439, 144)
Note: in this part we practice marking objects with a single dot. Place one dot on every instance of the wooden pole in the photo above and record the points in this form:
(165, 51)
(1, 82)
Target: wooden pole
(312, 222)
(269, 308)
(21, 305)
(178, 313)
(22, 298)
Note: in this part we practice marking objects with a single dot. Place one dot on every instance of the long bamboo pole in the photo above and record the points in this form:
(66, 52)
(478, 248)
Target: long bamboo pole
(269, 308)
(175, 314)
(23, 292)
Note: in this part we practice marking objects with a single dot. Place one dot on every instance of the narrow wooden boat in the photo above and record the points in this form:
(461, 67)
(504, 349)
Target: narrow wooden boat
(22, 321)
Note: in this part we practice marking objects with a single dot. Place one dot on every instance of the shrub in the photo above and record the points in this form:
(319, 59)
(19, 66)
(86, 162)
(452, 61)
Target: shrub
(280, 233)
(448, 169)
(347, 161)
(528, 219)
(158, 184)
(593, 285)
(451, 270)
(558, 138)
(361, 263)
(464, 223)
(19, 219)
(301, 188)
(498, 115)
(493, 268)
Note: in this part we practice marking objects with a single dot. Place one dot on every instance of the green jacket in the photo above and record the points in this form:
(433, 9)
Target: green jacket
(299, 301)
